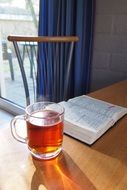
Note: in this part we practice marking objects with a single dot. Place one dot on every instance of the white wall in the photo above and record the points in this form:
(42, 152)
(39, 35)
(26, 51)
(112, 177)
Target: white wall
(109, 64)
(18, 25)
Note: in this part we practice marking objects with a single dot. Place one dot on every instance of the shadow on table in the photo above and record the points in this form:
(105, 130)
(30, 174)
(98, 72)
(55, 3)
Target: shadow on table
(114, 142)
(60, 173)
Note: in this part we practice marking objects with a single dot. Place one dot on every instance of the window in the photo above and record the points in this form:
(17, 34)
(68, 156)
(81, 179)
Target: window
(19, 18)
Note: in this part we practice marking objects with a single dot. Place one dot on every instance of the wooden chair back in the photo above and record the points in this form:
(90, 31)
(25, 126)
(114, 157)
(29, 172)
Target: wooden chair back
(54, 71)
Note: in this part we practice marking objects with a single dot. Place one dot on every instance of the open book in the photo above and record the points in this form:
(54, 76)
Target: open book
(87, 118)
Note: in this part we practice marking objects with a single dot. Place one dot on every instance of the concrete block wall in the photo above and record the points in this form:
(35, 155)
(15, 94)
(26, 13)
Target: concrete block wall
(109, 62)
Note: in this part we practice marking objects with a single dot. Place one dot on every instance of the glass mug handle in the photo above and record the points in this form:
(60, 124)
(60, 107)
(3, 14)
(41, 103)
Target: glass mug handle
(14, 130)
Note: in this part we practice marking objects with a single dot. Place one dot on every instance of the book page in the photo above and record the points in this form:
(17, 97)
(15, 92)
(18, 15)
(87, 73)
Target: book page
(99, 106)
(88, 118)
(84, 118)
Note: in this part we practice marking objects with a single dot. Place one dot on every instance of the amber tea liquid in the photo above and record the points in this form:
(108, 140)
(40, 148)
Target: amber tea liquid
(44, 132)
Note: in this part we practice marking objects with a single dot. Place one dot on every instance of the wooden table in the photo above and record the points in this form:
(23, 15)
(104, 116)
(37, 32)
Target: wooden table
(102, 166)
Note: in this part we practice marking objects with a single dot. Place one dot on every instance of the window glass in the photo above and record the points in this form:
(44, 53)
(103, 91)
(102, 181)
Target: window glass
(18, 18)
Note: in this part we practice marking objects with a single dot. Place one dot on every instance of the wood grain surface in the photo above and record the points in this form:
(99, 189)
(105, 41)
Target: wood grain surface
(101, 166)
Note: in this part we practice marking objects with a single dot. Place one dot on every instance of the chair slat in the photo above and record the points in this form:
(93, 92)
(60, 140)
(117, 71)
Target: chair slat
(44, 38)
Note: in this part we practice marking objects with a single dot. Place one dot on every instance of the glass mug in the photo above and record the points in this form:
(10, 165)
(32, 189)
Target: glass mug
(44, 124)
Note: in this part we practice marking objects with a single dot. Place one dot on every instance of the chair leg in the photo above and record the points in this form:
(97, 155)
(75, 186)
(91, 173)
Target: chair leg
(11, 66)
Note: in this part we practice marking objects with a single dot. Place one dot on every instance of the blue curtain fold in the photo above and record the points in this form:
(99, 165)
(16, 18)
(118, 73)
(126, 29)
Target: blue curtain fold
(66, 17)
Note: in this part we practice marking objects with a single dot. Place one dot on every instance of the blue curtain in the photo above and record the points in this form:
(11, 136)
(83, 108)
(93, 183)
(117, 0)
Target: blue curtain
(69, 17)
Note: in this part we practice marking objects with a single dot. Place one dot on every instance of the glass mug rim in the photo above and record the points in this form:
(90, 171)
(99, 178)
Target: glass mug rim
(46, 103)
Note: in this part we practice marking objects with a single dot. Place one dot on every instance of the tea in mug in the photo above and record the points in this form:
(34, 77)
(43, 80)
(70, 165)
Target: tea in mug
(44, 132)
